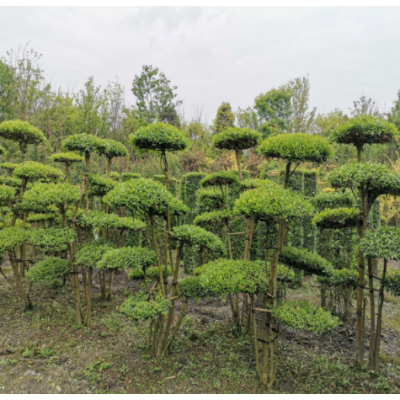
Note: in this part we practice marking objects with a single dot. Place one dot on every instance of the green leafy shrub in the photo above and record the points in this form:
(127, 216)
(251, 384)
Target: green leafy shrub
(303, 315)
(220, 178)
(334, 200)
(392, 283)
(191, 288)
(10, 181)
(377, 177)
(208, 200)
(140, 308)
(98, 219)
(37, 217)
(253, 183)
(112, 148)
(89, 255)
(100, 185)
(49, 270)
(382, 243)
(33, 170)
(8, 166)
(195, 235)
(343, 278)
(10, 238)
(213, 217)
(127, 176)
(52, 240)
(305, 260)
(7, 195)
(136, 258)
(159, 136)
(66, 158)
(83, 143)
(236, 139)
(296, 147)
(364, 129)
(21, 131)
(338, 218)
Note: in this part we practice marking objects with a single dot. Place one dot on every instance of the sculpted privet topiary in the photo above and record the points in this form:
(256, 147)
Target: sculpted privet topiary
(338, 218)
(336, 199)
(237, 139)
(383, 243)
(49, 270)
(112, 149)
(23, 133)
(364, 129)
(100, 185)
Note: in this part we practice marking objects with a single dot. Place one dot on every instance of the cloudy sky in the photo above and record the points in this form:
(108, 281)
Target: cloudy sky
(218, 54)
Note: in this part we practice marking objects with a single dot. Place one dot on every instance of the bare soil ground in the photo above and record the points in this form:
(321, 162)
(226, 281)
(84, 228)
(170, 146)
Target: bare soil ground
(42, 351)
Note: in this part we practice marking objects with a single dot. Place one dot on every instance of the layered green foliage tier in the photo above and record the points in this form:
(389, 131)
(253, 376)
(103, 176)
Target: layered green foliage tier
(90, 254)
(220, 178)
(49, 270)
(21, 131)
(36, 171)
(151, 273)
(83, 143)
(336, 199)
(67, 158)
(236, 139)
(100, 185)
(384, 242)
(10, 238)
(52, 240)
(338, 218)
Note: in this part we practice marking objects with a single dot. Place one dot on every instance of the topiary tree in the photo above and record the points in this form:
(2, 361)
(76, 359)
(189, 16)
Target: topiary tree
(85, 144)
(23, 133)
(112, 149)
(362, 130)
(382, 243)
(127, 176)
(273, 205)
(237, 139)
(370, 180)
(67, 159)
(49, 270)
(161, 138)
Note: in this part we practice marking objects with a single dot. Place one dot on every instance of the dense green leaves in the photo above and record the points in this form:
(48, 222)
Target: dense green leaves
(377, 178)
(137, 258)
(191, 288)
(97, 220)
(305, 260)
(49, 270)
(338, 218)
(83, 143)
(233, 276)
(52, 240)
(8, 166)
(33, 170)
(382, 243)
(213, 217)
(66, 158)
(304, 315)
(7, 195)
(236, 139)
(159, 136)
(220, 178)
(334, 200)
(271, 203)
(296, 147)
(343, 278)
(112, 148)
(21, 131)
(127, 176)
(252, 183)
(364, 129)
(151, 273)
(89, 255)
(140, 308)
(200, 237)
(100, 185)
(10, 181)
(42, 195)
(10, 238)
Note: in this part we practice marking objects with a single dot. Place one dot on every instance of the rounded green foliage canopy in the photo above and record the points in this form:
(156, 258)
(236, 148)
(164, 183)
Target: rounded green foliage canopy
(7, 195)
(220, 178)
(303, 315)
(305, 260)
(100, 185)
(2, 150)
(383, 243)
(66, 158)
(303, 147)
(137, 258)
(253, 183)
(271, 203)
(334, 200)
(10, 238)
(89, 255)
(223, 277)
(10, 181)
(236, 139)
(43, 195)
(213, 217)
(8, 166)
(197, 236)
(364, 129)
(22, 132)
(52, 240)
(97, 220)
(159, 137)
(83, 143)
(33, 170)
(376, 178)
(49, 270)
(191, 288)
(338, 218)
(112, 148)
(140, 308)
(143, 195)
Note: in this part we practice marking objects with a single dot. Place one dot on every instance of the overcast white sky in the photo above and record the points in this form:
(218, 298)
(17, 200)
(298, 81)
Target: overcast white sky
(218, 54)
